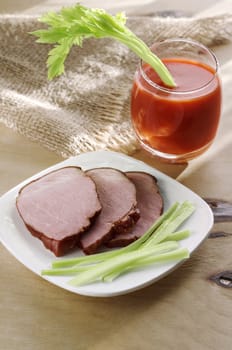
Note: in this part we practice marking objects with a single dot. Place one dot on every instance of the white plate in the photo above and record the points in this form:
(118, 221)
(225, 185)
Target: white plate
(31, 252)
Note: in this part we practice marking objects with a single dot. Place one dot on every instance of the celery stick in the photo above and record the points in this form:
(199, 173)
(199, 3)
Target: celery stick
(158, 249)
(177, 236)
(72, 25)
(98, 271)
(162, 247)
(172, 223)
(119, 264)
(94, 258)
(178, 254)
(115, 264)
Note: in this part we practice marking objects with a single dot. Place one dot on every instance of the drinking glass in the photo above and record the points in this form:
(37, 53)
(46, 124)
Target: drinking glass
(177, 124)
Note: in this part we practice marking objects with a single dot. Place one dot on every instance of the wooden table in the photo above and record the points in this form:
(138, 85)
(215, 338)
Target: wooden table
(185, 310)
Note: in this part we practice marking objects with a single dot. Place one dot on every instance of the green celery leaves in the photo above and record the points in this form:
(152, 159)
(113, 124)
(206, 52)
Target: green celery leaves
(74, 24)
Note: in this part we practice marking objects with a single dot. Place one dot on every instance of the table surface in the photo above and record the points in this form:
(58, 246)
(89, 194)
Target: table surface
(186, 309)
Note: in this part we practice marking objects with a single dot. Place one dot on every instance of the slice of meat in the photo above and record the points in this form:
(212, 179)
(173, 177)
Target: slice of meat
(150, 204)
(58, 207)
(119, 207)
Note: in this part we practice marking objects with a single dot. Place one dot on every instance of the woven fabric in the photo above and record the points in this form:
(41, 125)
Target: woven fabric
(87, 108)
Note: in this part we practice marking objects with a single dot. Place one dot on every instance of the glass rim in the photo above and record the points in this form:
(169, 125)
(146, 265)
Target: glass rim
(170, 90)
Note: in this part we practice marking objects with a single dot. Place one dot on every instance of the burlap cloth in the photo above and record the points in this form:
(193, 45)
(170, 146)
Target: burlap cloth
(88, 107)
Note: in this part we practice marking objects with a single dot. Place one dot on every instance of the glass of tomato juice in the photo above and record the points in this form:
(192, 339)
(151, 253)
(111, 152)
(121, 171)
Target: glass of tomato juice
(177, 124)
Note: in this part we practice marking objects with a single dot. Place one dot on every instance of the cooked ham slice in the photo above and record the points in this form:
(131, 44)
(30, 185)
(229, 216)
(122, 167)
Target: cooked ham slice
(150, 204)
(58, 207)
(119, 207)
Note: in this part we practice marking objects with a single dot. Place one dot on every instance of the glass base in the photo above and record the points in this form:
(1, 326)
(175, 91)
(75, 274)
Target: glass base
(175, 158)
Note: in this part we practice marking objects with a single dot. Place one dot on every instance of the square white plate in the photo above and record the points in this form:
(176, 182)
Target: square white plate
(31, 252)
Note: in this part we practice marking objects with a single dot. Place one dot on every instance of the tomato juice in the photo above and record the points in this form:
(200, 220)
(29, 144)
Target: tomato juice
(179, 122)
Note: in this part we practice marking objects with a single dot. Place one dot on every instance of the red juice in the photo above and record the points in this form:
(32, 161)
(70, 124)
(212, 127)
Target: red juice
(181, 120)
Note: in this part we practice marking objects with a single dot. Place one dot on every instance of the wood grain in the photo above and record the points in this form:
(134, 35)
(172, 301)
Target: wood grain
(223, 279)
(222, 210)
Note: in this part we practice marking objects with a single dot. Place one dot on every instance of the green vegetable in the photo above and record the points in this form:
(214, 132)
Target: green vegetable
(169, 226)
(74, 24)
(177, 254)
(159, 248)
(177, 236)
(157, 245)
(119, 264)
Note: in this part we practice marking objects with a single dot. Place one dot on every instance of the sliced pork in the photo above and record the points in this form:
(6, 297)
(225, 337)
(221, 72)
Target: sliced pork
(58, 207)
(150, 204)
(119, 213)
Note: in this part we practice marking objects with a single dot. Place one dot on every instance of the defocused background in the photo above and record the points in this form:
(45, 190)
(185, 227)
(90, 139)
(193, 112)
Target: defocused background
(130, 6)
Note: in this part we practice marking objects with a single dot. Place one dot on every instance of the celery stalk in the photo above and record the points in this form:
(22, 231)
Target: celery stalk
(172, 223)
(72, 25)
(177, 236)
(178, 254)
(157, 249)
(119, 264)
